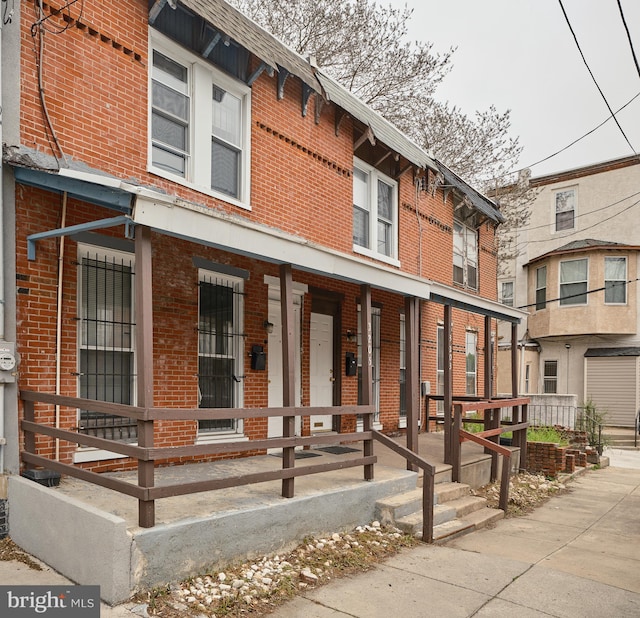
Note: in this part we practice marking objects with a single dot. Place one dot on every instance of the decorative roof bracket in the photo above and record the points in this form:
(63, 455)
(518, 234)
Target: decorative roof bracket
(211, 44)
(307, 91)
(261, 69)
(319, 104)
(283, 74)
(367, 135)
(340, 116)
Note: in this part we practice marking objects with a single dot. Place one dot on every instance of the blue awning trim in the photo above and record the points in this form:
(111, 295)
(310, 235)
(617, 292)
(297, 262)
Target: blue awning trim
(100, 195)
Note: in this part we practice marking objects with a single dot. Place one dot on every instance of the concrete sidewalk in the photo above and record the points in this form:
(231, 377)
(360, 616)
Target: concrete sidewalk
(577, 555)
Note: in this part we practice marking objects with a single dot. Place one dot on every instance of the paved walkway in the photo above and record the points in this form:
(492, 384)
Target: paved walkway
(577, 555)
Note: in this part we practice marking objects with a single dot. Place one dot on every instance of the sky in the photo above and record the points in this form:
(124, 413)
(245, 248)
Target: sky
(520, 55)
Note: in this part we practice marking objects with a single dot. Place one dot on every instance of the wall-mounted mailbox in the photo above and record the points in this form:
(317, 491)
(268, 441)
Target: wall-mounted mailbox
(351, 364)
(258, 358)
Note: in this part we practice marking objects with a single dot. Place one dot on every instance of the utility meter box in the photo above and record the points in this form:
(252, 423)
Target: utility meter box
(8, 362)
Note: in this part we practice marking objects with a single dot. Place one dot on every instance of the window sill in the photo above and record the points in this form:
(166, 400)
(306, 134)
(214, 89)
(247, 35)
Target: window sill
(84, 455)
(212, 438)
(376, 256)
(179, 180)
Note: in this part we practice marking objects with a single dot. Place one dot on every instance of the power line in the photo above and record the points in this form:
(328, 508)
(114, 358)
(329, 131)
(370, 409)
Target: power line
(575, 141)
(553, 300)
(633, 51)
(575, 38)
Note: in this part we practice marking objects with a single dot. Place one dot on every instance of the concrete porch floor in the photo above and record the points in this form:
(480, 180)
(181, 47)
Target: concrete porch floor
(91, 534)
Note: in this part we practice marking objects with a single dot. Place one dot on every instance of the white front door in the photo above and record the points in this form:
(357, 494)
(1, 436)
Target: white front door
(274, 427)
(321, 377)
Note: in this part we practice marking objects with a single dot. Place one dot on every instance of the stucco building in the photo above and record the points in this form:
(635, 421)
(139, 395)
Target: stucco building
(576, 274)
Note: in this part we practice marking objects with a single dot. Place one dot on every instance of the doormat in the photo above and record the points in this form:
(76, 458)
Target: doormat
(299, 454)
(338, 450)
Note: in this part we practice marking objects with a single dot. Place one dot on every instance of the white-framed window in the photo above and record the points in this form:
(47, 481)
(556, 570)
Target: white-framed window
(541, 288)
(375, 213)
(565, 209)
(214, 156)
(220, 346)
(527, 378)
(615, 280)
(506, 293)
(471, 353)
(106, 339)
(403, 369)
(375, 352)
(550, 377)
(573, 282)
(465, 255)
(440, 353)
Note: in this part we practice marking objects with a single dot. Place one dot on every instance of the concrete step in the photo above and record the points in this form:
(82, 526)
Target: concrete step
(467, 504)
(483, 517)
(393, 508)
(449, 491)
(412, 524)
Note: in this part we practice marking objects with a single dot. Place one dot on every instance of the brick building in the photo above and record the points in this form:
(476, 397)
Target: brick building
(177, 184)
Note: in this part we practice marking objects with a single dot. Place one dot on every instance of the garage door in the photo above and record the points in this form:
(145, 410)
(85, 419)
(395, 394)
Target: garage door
(612, 384)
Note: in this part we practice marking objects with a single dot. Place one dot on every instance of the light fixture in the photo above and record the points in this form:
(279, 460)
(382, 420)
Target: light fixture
(567, 345)
(268, 326)
(350, 335)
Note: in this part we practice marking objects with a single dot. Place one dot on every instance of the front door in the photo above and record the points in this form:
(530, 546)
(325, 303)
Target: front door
(321, 377)
(274, 427)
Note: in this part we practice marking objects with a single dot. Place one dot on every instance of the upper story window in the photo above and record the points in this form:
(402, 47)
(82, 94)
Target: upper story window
(541, 288)
(471, 346)
(615, 280)
(565, 209)
(506, 293)
(573, 282)
(212, 157)
(465, 255)
(375, 212)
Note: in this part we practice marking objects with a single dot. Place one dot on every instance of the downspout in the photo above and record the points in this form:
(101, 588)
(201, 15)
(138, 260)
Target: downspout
(2, 312)
(59, 318)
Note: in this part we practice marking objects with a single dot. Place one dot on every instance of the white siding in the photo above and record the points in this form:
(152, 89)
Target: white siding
(612, 384)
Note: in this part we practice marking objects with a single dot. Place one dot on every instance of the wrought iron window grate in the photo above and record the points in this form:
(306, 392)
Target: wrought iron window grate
(106, 342)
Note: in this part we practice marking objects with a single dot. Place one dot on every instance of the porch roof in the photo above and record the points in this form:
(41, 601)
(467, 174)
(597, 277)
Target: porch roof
(176, 217)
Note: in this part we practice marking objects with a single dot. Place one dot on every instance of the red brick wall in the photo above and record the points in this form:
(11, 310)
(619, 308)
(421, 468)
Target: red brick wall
(96, 81)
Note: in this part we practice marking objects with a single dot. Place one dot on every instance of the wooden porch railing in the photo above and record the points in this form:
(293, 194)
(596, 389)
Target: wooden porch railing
(146, 454)
(489, 437)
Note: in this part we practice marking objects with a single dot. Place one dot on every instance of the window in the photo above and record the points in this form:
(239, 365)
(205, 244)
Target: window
(565, 208)
(527, 378)
(440, 368)
(214, 160)
(471, 352)
(541, 288)
(465, 255)
(375, 370)
(375, 212)
(506, 293)
(615, 280)
(573, 282)
(403, 368)
(220, 344)
(106, 340)
(551, 377)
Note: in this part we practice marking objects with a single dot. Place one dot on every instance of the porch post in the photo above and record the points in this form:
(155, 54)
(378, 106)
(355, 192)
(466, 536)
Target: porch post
(144, 364)
(367, 371)
(288, 367)
(448, 386)
(514, 360)
(412, 381)
(494, 414)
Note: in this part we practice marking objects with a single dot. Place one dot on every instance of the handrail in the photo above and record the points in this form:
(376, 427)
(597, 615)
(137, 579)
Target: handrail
(146, 454)
(518, 428)
(428, 481)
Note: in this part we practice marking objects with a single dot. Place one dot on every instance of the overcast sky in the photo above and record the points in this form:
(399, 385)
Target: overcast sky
(520, 55)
